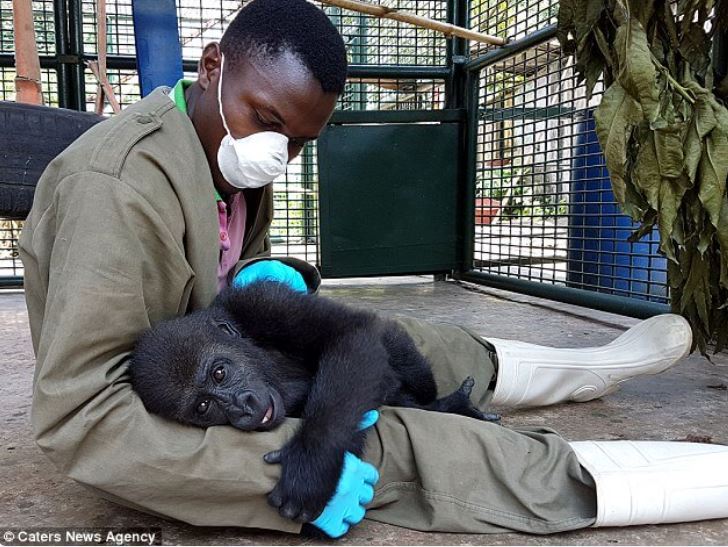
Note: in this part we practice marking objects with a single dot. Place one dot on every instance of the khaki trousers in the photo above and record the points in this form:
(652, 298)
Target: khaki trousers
(441, 472)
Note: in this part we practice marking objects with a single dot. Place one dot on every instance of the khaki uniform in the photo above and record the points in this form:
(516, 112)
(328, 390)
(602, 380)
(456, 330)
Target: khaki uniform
(123, 234)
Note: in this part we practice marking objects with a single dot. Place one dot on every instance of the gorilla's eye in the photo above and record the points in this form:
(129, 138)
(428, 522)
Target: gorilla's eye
(203, 407)
(218, 374)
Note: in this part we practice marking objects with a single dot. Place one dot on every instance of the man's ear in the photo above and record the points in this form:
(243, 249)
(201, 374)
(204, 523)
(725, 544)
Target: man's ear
(208, 69)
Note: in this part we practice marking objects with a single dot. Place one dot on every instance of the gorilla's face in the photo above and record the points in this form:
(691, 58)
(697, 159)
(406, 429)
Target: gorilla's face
(199, 370)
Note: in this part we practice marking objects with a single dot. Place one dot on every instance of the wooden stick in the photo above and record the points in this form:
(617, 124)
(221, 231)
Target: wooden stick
(99, 67)
(407, 17)
(28, 88)
(105, 89)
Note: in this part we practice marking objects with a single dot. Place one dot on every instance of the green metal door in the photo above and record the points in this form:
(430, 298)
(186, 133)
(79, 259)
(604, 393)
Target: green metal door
(389, 199)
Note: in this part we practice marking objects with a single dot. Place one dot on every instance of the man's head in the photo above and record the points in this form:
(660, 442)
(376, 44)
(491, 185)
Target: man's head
(285, 66)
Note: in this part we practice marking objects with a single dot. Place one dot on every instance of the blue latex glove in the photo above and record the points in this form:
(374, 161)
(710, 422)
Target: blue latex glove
(355, 489)
(270, 270)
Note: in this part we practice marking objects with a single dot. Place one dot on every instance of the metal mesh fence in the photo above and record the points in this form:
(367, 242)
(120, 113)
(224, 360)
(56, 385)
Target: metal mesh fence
(44, 26)
(119, 27)
(369, 40)
(10, 266)
(392, 94)
(45, 39)
(49, 80)
(376, 41)
(544, 207)
(125, 84)
(512, 19)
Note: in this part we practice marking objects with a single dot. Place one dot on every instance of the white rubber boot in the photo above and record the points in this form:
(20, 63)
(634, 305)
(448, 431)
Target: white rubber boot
(645, 482)
(531, 375)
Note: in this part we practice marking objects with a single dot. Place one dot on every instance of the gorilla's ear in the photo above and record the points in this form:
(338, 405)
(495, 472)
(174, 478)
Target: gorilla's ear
(226, 326)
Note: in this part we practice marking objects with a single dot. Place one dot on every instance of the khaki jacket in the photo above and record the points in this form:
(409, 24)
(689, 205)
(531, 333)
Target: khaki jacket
(124, 233)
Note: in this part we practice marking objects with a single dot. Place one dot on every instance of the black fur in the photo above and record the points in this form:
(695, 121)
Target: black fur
(266, 348)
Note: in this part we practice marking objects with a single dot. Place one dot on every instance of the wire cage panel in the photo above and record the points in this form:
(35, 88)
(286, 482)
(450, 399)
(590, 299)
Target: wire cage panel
(11, 268)
(49, 83)
(392, 94)
(374, 41)
(544, 208)
(44, 22)
(512, 20)
(295, 228)
(370, 41)
(124, 82)
(119, 27)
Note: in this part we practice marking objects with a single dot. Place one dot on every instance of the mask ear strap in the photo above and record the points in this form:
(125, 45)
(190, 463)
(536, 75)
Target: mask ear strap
(219, 94)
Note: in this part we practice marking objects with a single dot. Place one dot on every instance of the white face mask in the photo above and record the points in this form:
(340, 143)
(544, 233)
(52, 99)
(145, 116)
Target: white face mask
(254, 161)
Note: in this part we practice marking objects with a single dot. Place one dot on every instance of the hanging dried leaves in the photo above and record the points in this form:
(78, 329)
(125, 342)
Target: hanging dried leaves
(663, 127)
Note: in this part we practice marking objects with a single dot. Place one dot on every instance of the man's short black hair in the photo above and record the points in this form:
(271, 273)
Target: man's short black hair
(269, 27)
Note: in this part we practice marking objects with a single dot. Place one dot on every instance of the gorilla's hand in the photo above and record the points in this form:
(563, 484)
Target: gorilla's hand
(354, 489)
(309, 476)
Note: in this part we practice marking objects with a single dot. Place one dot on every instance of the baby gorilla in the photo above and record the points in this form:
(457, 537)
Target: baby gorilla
(264, 352)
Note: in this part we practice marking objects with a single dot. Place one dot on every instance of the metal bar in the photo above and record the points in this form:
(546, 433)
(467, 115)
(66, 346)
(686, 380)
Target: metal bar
(60, 22)
(720, 54)
(533, 113)
(46, 61)
(449, 52)
(518, 261)
(468, 217)
(341, 117)
(622, 305)
(11, 281)
(358, 50)
(458, 98)
(121, 62)
(512, 48)
(456, 54)
(308, 181)
(77, 81)
(398, 71)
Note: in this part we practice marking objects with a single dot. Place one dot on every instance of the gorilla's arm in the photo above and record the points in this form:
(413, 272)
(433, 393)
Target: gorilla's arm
(300, 324)
(350, 381)
(351, 376)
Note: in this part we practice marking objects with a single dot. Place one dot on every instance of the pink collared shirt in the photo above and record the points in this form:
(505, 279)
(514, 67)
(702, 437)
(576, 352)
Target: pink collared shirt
(232, 233)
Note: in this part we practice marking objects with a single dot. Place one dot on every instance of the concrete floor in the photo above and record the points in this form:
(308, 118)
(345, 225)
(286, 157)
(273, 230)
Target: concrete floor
(688, 402)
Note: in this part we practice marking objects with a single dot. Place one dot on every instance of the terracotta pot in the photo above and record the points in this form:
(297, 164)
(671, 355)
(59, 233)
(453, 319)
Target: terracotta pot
(486, 210)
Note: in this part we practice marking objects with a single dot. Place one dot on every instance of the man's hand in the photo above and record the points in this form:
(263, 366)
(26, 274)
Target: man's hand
(270, 270)
(354, 491)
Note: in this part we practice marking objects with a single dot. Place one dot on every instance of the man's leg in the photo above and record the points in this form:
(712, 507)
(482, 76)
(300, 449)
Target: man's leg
(447, 473)
(518, 374)
(531, 375)
(442, 472)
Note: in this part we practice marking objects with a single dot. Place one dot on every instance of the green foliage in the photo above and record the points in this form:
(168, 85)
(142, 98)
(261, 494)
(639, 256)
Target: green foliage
(663, 127)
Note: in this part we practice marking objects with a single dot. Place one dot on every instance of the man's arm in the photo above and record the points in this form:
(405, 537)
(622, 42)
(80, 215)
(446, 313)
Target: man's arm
(101, 266)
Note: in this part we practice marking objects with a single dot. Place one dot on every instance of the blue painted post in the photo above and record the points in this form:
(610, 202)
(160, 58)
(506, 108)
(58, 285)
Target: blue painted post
(158, 50)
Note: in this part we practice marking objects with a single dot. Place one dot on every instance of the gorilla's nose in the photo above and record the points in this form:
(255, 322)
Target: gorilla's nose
(247, 401)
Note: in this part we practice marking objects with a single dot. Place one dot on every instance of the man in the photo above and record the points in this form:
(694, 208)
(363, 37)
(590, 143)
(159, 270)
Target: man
(148, 214)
